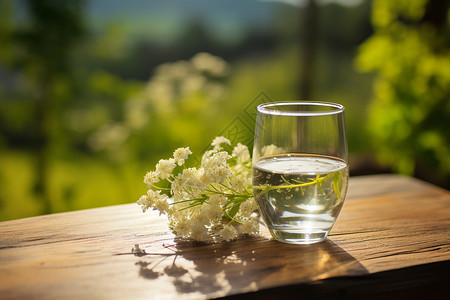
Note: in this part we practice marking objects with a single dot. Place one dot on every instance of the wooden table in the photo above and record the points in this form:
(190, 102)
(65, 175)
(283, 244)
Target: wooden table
(391, 239)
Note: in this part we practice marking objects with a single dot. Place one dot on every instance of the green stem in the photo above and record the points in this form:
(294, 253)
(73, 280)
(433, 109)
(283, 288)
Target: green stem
(189, 200)
(318, 180)
(160, 188)
(229, 195)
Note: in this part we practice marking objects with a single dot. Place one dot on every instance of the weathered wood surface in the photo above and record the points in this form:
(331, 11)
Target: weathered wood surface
(390, 227)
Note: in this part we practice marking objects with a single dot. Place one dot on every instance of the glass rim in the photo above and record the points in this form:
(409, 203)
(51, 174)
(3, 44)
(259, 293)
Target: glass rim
(267, 108)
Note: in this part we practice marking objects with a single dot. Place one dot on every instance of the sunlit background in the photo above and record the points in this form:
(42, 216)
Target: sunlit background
(93, 93)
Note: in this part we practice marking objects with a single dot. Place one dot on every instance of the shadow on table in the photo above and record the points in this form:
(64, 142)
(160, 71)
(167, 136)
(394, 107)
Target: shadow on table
(247, 264)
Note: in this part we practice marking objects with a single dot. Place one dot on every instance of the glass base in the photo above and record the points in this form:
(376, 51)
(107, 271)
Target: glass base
(299, 237)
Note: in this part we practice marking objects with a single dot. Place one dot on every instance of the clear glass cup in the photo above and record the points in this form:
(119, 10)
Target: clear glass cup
(300, 168)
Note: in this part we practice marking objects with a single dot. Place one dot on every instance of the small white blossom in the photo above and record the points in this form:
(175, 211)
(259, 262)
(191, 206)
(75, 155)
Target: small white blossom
(239, 183)
(144, 202)
(181, 154)
(210, 63)
(156, 200)
(200, 215)
(187, 183)
(151, 178)
(248, 207)
(199, 232)
(218, 141)
(192, 83)
(219, 175)
(217, 199)
(155, 195)
(165, 168)
(162, 205)
(250, 226)
(180, 226)
(215, 165)
(241, 153)
(228, 233)
(212, 211)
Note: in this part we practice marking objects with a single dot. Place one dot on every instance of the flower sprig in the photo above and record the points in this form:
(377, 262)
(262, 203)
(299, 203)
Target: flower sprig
(213, 202)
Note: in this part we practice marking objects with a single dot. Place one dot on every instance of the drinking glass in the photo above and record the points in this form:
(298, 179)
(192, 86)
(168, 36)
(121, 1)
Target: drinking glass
(300, 168)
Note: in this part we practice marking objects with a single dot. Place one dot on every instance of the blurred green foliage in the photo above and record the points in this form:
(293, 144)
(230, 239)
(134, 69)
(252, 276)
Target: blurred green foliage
(409, 117)
(115, 106)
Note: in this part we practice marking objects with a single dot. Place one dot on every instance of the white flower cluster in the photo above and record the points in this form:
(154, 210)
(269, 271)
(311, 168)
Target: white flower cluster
(211, 203)
(174, 82)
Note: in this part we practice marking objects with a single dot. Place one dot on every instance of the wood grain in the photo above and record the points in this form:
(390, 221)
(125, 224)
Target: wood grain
(389, 225)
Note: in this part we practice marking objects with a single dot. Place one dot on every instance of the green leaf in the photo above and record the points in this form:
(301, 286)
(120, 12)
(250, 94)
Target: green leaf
(336, 183)
(234, 210)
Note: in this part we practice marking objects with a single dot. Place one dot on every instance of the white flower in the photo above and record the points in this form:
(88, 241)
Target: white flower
(215, 159)
(210, 63)
(218, 141)
(199, 232)
(250, 226)
(239, 183)
(200, 217)
(241, 153)
(155, 200)
(144, 202)
(187, 184)
(248, 207)
(217, 199)
(156, 196)
(212, 212)
(215, 166)
(110, 136)
(228, 233)
(192, 83)
(181, 154)
(180, 226)
(165, 167)
(151, 178)
(202, 198)
(162, 205)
